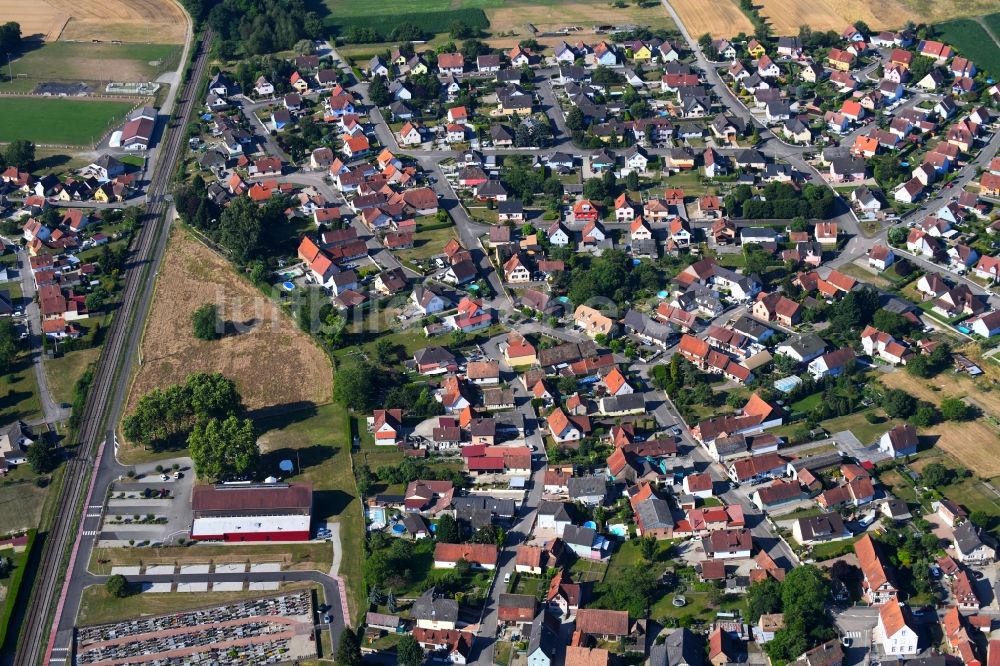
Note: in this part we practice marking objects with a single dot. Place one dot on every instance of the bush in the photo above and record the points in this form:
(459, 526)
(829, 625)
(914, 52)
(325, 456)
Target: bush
(955, 409)
(205, 321)
(117, 586)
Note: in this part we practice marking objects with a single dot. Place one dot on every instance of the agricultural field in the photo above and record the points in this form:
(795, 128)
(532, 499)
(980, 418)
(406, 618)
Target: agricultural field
(972, 41)
(719, 19)
(992, 22)
(78, 61)
(579, 16)
(273, 363)
(507, 20)
(786, 16)
(429, 15)
(54, 120)
(975, 444)
(38, 19)
(125, 20)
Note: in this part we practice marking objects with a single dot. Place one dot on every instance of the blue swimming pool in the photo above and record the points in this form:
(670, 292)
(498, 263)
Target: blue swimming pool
(617, 530)
(398, 528)
(377, 516)
(289, 286)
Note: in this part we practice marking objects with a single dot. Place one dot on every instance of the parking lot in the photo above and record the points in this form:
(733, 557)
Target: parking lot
(153, 507)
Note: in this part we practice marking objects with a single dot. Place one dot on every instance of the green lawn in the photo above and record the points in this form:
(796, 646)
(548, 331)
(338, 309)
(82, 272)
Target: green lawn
(20, 500)
(57, 120)
(320, 442)
(808, 403)
(370, 454)
(62, 373)
(426, 244)
(826, 551)
(856, 423)
(87, 61)
(800, 513)
(899, 486)
(972, 41)
(19, 393)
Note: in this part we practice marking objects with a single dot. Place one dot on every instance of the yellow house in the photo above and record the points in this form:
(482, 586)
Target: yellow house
(643, 53)
(519, 351)
(101, 195)
(755, 48)
(419, 68)
(840, 60)
(514, 104)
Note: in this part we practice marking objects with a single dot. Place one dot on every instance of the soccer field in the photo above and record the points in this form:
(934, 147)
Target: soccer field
(59, 121)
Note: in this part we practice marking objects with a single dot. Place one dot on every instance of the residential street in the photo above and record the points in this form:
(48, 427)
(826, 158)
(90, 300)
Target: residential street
(52, 411)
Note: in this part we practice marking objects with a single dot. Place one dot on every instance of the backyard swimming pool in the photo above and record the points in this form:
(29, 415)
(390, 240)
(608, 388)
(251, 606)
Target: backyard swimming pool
(377, 517)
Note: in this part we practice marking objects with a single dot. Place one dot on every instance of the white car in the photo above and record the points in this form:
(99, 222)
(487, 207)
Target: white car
(506, 578)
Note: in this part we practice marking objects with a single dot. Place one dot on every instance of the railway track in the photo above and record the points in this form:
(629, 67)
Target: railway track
(44, 610)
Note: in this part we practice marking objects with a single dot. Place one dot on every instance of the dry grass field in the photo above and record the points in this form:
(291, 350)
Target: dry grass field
(552, 15)
(273, 363)
(975, 444)
(720, 19)
(150, 21)
(945, 385)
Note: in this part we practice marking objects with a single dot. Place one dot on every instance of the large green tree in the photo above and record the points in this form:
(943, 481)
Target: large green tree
(224, 449)
(349, 648)
(43, 456)
(10, 37)
(356, 385)
(763, 597)
(117, 586)
(20, 153)
(241, 230)
(409, 652)
(447, 530)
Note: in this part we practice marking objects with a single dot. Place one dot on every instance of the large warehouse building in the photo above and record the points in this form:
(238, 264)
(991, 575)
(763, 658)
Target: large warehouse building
(251, 512)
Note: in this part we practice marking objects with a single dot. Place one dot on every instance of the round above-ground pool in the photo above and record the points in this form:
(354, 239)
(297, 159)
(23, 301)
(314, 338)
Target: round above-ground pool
(663, 294)
(398, 528)
(591, 524)
(289, 286)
